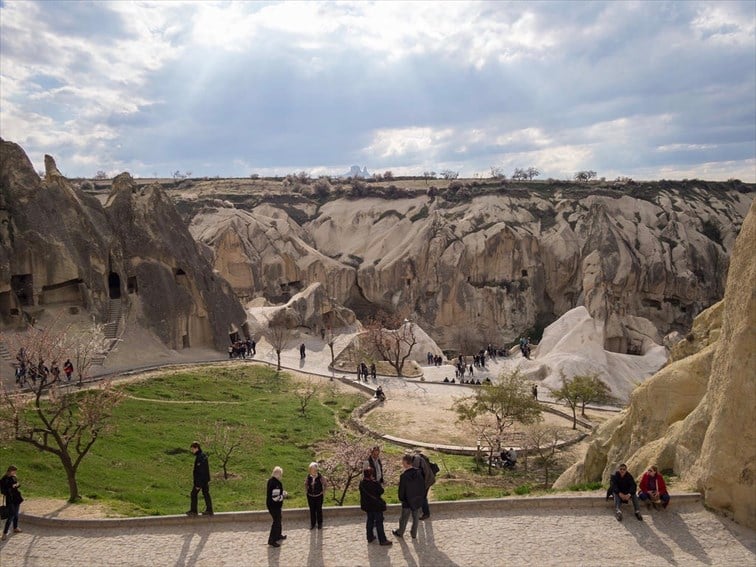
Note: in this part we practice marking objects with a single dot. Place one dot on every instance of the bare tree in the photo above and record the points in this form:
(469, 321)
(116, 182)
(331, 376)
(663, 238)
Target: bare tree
(224, 439)
(428, 175)
(52, 419)
(449, 174)
(84, 346)
(497, 172)
(305, 395)
(585, 175)
(495, 407)
(330, 339)
(279, 338)
(532, 173)
(569, 393)
(345, 464)
(543, 441)
(393, 344)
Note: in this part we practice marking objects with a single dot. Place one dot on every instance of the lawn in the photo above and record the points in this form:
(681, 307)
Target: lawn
(144, 466)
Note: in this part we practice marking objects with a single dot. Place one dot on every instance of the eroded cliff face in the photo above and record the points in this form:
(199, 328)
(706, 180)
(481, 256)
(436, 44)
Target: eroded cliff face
(497, 265)
(696, 416)
(61, 250)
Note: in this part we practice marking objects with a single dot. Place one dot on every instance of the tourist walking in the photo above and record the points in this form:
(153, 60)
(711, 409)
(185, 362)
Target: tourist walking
(315, 486)
(411, 493)
(9, 485)
(201, 476)
(274, 497)
(302, 351)
(372, 503)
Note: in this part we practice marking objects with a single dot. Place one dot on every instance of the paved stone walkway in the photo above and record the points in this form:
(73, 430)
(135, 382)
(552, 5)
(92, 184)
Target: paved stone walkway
(453, 537)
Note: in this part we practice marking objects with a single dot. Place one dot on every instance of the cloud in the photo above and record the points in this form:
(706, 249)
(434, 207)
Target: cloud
(225, 88)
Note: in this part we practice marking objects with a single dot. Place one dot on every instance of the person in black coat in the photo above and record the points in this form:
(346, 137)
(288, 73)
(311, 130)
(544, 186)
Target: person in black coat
(274, 497)
(623, 488)
(9, 488)
(372, 503)
(315, 487)
(201, 481)
(411, 494)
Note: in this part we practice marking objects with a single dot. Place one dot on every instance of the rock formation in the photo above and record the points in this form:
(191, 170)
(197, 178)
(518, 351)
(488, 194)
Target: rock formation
(696, 416)
(498, 263)
(134, 259)
(574, 344)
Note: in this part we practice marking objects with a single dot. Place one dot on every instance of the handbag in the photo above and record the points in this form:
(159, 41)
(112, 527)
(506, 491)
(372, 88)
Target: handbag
(4, 510)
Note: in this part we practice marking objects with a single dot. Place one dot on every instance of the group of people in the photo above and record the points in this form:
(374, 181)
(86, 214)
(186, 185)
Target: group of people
(363, 372)
(471, 382)
(417, 477)
(27, 370)
(242, 349)
(622, 489)
(434, 359)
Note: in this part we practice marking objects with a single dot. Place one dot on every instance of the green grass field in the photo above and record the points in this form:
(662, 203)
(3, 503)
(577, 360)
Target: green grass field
(144, 466)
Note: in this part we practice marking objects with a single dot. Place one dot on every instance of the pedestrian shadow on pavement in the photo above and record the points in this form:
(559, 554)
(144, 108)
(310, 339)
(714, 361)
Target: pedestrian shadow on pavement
(673, 525)
(427, 551)
(648, 540)
(315, 556)
(184, 558)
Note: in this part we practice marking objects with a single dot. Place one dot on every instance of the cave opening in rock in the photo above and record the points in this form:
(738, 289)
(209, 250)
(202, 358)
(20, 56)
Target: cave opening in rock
(131, 284)
(114, 286)
(23, 286)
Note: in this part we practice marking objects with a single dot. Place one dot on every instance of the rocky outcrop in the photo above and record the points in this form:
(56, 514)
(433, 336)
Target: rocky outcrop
(499, 263)
(62, 251)
(696, 416)
(574, 345)
(311, 310)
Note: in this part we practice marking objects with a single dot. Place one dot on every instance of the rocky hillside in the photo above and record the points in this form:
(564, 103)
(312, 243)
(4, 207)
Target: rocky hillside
(132, 259)
(696, 416)
(489, 260)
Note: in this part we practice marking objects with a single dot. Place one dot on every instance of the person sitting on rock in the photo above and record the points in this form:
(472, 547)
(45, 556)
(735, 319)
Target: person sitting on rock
(623, 489)
(652, 487)
(379, 394)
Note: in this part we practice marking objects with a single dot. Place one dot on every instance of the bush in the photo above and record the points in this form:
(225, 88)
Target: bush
(595, 485)
(523, 489)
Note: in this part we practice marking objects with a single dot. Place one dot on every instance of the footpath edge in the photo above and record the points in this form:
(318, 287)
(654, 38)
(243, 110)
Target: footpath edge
(682, 500)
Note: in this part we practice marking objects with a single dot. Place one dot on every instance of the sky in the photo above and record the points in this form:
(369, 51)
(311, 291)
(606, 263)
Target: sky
(647, 90)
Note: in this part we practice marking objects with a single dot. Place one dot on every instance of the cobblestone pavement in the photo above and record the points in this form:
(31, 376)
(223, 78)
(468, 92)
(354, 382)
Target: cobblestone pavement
(558, 536)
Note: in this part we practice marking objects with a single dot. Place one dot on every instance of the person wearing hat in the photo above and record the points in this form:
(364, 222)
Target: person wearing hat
(315, 486)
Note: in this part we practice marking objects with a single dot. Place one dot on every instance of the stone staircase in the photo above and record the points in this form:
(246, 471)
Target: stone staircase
(112, 328)
(5, 353)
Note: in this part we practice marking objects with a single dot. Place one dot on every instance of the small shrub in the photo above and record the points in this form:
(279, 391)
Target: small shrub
(523, 489)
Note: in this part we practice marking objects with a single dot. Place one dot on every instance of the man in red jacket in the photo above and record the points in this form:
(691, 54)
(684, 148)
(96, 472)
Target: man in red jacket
(652, 487)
